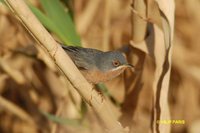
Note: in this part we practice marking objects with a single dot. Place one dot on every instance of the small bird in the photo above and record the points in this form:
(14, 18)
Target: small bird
(95, 65)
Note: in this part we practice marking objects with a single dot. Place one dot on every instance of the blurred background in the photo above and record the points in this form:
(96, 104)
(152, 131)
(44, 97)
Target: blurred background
(36, 98)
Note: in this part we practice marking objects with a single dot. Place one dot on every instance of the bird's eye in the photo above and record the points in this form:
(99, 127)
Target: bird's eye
(116, 63)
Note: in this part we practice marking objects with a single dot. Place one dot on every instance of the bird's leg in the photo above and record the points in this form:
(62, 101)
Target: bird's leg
(91, 95)
(101, 95)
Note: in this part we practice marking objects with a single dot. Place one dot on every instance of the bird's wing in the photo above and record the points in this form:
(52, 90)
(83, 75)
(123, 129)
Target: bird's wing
(82, 57)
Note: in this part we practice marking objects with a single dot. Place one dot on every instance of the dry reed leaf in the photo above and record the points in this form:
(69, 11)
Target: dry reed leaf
(163, 66)
(160, 48)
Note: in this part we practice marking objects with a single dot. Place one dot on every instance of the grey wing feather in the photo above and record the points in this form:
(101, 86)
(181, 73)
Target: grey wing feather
(82, 57)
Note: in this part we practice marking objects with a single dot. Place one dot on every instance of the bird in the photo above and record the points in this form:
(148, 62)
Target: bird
(95, 65)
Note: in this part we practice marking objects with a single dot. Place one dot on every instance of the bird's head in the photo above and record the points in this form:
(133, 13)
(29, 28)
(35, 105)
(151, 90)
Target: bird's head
(112, 61)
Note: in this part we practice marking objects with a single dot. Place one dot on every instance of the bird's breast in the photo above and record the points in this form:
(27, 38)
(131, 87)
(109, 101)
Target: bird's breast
(96, 76)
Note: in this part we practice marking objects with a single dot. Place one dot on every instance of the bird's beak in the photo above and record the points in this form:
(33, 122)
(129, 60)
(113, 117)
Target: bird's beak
(126, 66)
(129, 65)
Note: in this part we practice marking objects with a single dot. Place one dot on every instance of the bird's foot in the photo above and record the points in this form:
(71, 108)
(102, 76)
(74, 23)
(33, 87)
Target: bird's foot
(101, 95)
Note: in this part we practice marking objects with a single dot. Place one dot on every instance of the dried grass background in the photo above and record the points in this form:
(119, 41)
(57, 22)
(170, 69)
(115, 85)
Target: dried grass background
(30, 82)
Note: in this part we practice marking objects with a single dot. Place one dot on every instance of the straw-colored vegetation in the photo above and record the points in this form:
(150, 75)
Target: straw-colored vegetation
(35, 96)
